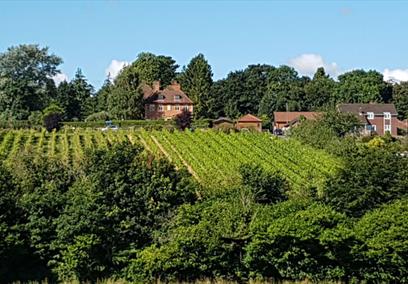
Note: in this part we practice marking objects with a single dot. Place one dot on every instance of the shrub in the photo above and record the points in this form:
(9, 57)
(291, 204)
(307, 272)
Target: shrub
(99, 116)
(52, 117)
(183, 120)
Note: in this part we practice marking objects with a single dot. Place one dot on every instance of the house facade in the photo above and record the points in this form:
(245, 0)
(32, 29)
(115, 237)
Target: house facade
(375, 118)
(249, 121)
(165, 103)
(284, 120)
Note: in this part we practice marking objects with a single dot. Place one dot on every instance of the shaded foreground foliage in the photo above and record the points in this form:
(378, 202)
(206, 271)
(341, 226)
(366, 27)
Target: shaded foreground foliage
(124, 214)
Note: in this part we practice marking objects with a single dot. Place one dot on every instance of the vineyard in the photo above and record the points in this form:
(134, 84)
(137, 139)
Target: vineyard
(213, 158)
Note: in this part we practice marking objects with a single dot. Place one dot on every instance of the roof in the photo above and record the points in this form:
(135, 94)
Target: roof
(222, 119)
(249, 118)
(166, 96)
(281, 116)
(364, 108)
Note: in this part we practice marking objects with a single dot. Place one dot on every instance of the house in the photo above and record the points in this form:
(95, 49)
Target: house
(378, 118)
(165, 103)
(288, 119)
(249, 121)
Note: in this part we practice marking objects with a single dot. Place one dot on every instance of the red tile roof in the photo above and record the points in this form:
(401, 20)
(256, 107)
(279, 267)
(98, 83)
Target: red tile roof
(281, 116)
(166, 96)
(249, 118)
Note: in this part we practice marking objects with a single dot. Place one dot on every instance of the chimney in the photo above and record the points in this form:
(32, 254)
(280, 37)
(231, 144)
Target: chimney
(175, 86)
(156, 86)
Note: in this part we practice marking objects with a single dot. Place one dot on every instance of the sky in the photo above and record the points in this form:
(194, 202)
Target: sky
(101, 36)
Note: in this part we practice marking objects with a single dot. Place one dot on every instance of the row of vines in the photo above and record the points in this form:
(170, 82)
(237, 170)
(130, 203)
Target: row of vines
(212, 157)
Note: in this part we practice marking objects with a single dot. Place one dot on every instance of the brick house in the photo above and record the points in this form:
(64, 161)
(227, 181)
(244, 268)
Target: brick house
(282, 120)
(378, 118)
(249, 121)
(165, 103)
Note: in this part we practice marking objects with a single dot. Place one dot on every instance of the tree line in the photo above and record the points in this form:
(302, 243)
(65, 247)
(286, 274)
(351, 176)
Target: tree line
(27, 88)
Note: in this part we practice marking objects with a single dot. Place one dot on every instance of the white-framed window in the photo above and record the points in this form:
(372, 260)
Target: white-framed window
(161, 97)
(387, 115)
(370, 115)
(177, 97)
(374, 127)
(176, 107)
(185, 107)
(387, 127)
(152, 107)
(160, 107)
(168, 107)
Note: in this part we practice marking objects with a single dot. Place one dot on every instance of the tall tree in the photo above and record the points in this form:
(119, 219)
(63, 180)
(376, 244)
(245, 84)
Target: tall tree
(196, 81)
(361, 86)
(103, 94)
(150, 67)
(75, 97)
(319, 91)
(242, 91)
(125, 100)
(26, 83)
(400, 99)
(285, 91)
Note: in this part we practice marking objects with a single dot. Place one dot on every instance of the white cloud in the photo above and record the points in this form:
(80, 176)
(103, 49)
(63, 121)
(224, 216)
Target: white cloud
(59, 78)
(307, 64)
(114, 68)
(397, 75)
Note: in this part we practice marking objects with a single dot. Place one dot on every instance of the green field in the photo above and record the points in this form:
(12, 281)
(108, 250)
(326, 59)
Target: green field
(213, 158)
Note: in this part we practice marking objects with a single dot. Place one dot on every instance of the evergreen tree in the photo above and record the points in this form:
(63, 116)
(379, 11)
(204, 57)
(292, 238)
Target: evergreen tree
(319, 91)
(196, 81)
(75, 97)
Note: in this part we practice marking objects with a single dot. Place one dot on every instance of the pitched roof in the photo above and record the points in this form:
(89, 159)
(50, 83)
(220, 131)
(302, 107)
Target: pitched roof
(222, 119)
(165, 96)
(249, 118)
(281, 116)
(364, 108)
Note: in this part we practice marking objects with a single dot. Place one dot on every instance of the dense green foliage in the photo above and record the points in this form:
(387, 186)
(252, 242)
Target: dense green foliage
(88, 204)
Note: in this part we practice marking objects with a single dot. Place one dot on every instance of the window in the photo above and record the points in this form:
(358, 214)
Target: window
(185, 107)
(152, 107)
(176, 107)
(161, 97)
(177, 97)
(373, 127)
(387, 115)
(370, 115)
(387, 127)
(169, 107)
(160, 107)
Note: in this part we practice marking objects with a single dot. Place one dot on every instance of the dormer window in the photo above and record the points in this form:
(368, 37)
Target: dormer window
(370, 115)
(177, 97)
(387, 115)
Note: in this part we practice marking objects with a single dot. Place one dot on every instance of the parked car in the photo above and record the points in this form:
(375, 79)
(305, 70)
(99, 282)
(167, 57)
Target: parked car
(109, 126)
(278, 131)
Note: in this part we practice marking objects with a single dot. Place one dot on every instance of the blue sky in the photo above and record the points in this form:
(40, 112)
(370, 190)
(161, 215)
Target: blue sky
(340, 35)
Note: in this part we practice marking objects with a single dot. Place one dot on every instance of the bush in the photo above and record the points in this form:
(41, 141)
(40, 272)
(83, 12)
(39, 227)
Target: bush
(99, 116)
(225, 127)
(183, 120)
(52, 117)
(383, 244)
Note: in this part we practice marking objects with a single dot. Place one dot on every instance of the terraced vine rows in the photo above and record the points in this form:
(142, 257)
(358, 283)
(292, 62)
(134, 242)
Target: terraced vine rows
(215, 157)
(66, 145)
(212, 157)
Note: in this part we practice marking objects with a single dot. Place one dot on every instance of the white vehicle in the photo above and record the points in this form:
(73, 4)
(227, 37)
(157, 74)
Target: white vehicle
(110, 127)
